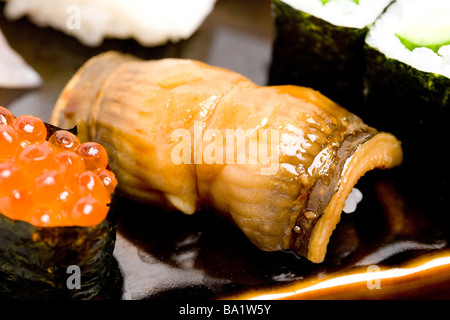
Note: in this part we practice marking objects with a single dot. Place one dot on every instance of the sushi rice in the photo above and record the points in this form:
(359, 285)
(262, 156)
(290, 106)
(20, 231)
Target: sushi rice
(345, 13)
(150, 22)
(424, 21)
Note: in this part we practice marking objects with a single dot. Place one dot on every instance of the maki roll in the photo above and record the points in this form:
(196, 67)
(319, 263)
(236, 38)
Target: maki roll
(57, 234)
(319, 44)
(407, 80)
(408, 55)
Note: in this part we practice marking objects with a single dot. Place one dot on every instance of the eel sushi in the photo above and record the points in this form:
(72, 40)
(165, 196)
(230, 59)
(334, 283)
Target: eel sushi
(408, 83)
(319, 44)
(278, 161)
(57, 232)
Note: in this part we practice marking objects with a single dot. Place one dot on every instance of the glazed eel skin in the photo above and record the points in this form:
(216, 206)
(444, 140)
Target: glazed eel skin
(134, 108)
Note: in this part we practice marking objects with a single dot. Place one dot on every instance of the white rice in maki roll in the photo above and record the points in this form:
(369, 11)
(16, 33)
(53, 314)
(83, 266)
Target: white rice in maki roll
(345, 13)
(416, 32)
(408, 64)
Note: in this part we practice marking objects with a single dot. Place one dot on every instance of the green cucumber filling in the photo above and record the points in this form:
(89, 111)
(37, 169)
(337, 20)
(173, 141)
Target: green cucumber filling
(326, 1)
(431, 30)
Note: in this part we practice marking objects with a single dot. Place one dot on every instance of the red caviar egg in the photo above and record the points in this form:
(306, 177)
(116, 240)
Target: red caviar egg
(48, 185)
(30, 128)
(66, 199)
(70, 163)
(11, 178)
(62, 140)
(17, 204)
(44, 215)
(9, 142)
(60, 182)
(89, 184)
(65, 196)
(108, 179)
(6, 116)
(88, 211)
(35, 158)
(94, 155)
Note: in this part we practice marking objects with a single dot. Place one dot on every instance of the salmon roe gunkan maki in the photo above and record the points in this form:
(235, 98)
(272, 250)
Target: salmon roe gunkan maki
(51, 180)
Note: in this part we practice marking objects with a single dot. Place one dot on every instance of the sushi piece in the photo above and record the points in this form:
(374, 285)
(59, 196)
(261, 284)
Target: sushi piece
(410, 47)
(14, 71)
(150, 22)
(57, 234)
(279, 161)
(319, 44)
(408, 83)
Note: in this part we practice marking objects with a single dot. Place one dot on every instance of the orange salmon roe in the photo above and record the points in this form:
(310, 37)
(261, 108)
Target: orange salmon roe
(30, 128)
(6, 116)
(9, 142)
(108, 179)
(59, 182)
(64, 140)
(94, 155)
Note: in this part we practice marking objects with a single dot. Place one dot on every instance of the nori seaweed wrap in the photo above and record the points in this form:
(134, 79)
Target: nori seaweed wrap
(322, 51)
(54, 243)
(45, 262)
(408, 86)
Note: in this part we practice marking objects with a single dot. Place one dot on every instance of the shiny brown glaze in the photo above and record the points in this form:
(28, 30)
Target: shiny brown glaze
(133, 108)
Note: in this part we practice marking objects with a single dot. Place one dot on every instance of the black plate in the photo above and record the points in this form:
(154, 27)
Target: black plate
(173, 256)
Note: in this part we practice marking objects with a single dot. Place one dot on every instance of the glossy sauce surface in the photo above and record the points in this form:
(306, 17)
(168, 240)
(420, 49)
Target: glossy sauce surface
(175, 256)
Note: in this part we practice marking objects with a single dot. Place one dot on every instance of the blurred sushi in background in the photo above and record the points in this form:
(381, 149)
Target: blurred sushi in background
(14, 70)
(150, 22)
(319, 44)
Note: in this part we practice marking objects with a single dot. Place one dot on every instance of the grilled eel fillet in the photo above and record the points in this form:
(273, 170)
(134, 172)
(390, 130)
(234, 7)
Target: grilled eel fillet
(165, 122)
